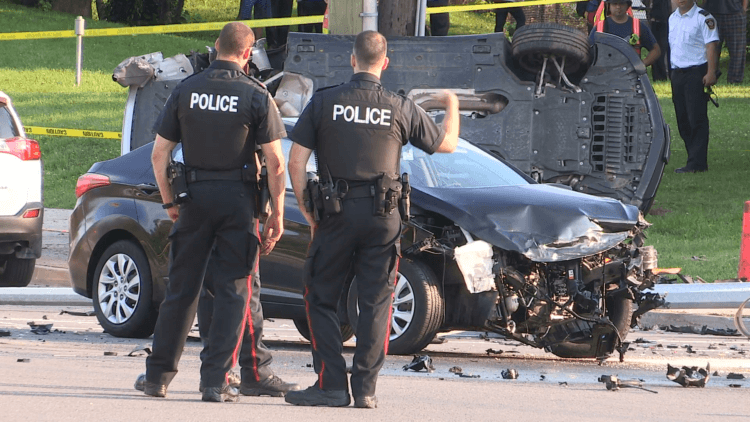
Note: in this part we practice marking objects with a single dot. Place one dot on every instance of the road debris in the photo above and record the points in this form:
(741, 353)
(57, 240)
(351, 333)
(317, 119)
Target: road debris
(110, 353)
(704, 330)
(735, 385)
(456, 370)
(509, 374)
(4, 333)
(40, 329)
(735, 376)
(641, 340)
(439, 340)
(563, 383)
(420, 363)
(462, 375)
(24, 360)
(689, 376)
(542, 377)
(613, 383)
(76, 313)
(140, 350)
(44, 317)
(622, 349)
(493, 352)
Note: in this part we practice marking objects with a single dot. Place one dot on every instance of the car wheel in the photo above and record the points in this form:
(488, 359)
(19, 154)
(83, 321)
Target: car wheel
(16, 272)
(619, 311)
(533, 42)
(347, 331)
(417, 310)
(122, 291)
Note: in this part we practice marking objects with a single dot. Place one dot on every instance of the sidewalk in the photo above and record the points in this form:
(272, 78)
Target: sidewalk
(52, 274)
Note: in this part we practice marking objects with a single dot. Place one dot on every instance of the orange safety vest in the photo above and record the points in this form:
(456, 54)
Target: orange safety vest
(599, 19)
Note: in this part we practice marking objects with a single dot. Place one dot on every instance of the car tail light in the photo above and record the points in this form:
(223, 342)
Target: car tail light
(25, 149)
(90, 181)
(31, 213)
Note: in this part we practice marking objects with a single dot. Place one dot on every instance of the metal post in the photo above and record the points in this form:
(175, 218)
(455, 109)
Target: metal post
(80, 25)
(370, 15)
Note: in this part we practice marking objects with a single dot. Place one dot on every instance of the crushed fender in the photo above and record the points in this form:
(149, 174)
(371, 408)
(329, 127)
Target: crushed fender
(689, 376)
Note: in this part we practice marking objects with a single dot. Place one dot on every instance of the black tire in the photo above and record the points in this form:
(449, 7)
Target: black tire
(16, 272)
(427, 308)
(533, 42)
(619, 311)
(347, 331)
(131, 313)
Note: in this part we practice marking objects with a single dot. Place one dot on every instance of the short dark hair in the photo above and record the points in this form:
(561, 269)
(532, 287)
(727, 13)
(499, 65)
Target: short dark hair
(234, 38)
(369, 48)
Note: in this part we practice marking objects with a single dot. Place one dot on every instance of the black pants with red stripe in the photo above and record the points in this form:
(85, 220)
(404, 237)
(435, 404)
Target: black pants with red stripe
(352, 240)
(255, 359)
(219, 217)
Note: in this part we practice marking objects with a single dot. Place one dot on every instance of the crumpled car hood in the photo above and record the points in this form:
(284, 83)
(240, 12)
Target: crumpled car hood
(543, 222)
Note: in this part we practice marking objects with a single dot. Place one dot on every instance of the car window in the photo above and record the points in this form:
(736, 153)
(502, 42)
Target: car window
(7, 127)
(467, 167)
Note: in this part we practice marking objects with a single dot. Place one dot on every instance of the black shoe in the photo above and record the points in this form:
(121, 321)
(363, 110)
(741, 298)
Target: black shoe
(149, 388)
(689, 170)
(272, 386)
(314, 396)
(366, 402)
(226, 393)
(233, 377)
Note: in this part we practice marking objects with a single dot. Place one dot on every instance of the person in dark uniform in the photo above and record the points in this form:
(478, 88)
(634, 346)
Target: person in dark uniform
(440, 23)
(311, 8)
(219, 115)
(658, 12)
(731, 20)
(276, 35)
(693, 40)
(357, 130)
(501, 15)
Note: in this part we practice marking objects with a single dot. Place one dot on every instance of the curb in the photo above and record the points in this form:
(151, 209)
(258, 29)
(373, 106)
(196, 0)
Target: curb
(46, 275)
(45, 296)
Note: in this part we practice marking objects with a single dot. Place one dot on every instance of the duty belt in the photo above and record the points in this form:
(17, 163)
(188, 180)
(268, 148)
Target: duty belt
(199, 175)
(360, 191)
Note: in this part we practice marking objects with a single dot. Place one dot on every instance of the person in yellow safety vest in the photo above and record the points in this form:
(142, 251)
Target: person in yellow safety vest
(621, 22)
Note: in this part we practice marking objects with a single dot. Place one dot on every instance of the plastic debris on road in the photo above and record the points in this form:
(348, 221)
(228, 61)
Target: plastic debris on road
(509, 374)
(692, 376)
(420, 363)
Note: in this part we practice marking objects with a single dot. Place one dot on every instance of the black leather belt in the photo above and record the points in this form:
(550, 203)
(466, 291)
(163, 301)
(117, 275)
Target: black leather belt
(198, 175)
(360, 191)
(688, 69)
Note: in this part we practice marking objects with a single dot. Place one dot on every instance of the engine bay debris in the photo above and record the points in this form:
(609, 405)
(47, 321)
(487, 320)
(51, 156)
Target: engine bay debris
(692, 376)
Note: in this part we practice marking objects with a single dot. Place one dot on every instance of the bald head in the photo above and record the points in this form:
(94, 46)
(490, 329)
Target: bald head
(235, 38)
(369, 50)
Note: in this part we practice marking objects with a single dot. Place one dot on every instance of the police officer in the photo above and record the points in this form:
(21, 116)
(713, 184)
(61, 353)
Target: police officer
(357, 130)
(693, 40)
(440, 23)
(628, 28)
(219, 115)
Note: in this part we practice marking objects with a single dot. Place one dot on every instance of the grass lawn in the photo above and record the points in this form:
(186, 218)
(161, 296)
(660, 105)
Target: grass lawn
(696, 218)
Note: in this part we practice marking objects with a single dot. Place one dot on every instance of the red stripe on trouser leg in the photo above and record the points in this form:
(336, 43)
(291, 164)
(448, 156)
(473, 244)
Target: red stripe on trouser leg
(236, 352)
(249, 314)
(320, 375)
(390, 310)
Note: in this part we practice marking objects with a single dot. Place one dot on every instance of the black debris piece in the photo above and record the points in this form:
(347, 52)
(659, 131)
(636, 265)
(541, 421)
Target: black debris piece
(4, 333)
(193, 339)
(641, 340)
(484, 336)
(659, 345)
(689, 376)
(509, 374)
(439, 340)
(704, 330)
(309, 365)
(542, 377)
(690, 349)
(44, 316)
(563, 383)
(712, 347)
(40, 329)
(735, 376)
(462, 375)
(672, 346)
(622, 349)
(24, 360)
(420, 363)
(493, 351)
(613, 383)
(76, 313)
(141, 350)
(110, 353)
(735, 385)
(456, 370)
(715, 374)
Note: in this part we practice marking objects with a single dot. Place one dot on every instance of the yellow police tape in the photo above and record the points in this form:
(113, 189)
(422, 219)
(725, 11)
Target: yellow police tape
(256, 23)
(159, 29)
(74, 133)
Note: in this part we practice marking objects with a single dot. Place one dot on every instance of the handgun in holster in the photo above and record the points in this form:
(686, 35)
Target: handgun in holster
(386, 196)
(177, 177)
(404, 203)
(311, 196)
(264, 194)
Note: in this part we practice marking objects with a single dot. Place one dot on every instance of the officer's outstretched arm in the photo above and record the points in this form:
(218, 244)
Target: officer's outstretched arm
(450, 123)
(298, 157)
(160, 156)
(274, 225)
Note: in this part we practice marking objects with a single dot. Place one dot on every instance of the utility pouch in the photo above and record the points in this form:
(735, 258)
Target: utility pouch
(331, 196)
(177, 177)
(404, 204)
(387, 195)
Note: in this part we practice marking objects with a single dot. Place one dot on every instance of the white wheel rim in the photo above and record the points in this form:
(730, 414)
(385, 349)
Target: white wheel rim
(119, 288)
(402, 309)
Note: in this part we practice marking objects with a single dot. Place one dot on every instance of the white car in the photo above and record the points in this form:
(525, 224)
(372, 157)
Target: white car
(21, 207)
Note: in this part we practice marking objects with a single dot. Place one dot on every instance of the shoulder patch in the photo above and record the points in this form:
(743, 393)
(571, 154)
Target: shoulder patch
(711, 23)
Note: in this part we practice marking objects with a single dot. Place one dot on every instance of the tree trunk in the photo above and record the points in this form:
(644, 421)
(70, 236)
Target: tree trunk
(397, 17)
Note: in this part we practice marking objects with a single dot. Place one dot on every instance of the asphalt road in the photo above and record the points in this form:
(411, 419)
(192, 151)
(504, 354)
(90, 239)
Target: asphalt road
(78, 373)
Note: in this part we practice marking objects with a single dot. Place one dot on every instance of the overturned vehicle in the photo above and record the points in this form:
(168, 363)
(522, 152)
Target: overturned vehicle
(488, 247)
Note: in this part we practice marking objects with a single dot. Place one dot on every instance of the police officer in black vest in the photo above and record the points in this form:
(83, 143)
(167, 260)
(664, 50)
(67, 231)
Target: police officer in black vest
(219, 115)
(357, 130)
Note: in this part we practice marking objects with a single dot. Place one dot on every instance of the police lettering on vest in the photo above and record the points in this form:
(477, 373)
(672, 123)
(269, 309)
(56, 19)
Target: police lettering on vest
(214, 102)
(367, 116)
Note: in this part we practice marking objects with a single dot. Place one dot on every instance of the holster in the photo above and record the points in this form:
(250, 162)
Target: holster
(387, 194)
(311, 197)
(264, 194)
(177, 177)
(404, 203)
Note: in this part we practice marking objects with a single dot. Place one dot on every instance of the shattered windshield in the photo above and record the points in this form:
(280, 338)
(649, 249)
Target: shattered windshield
(467, 167)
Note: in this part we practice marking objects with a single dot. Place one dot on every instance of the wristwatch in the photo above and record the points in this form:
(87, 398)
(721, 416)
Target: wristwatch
(168, 205)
